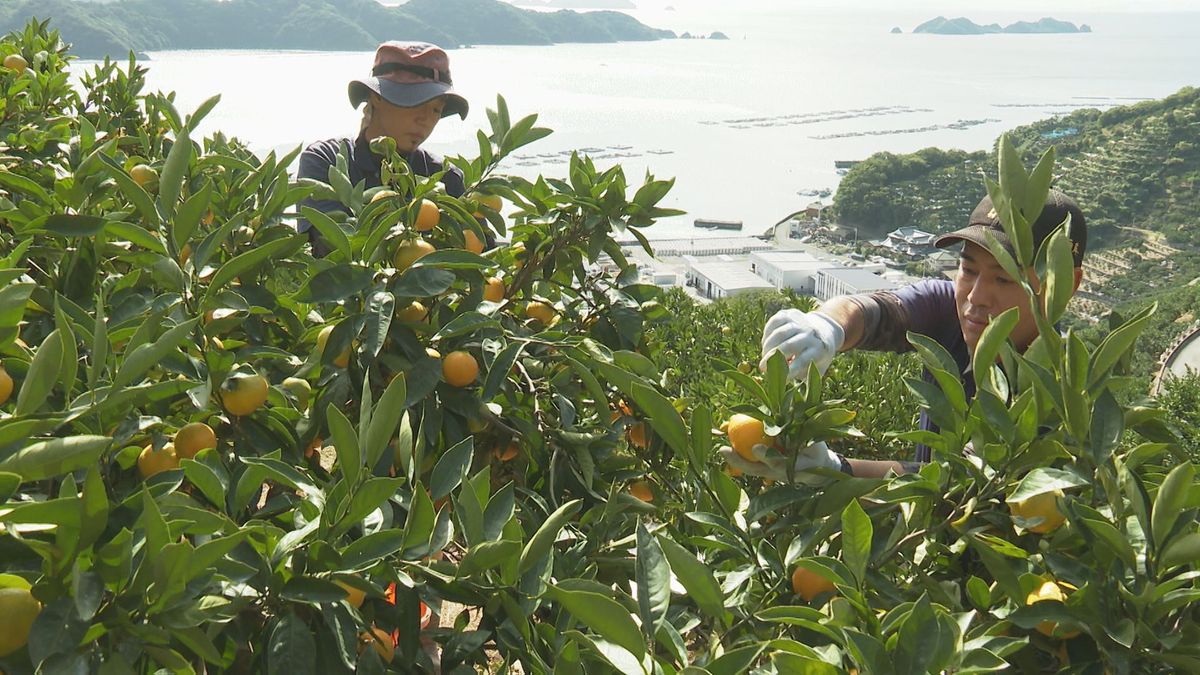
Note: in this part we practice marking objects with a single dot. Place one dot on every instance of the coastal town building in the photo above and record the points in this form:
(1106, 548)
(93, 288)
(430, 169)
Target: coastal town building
(911, 242)
(848, 281)
(722, 278)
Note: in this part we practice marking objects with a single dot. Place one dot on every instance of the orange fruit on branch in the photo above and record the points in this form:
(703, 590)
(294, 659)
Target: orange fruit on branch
(341, 360)
(6, 385)
(494, 290)
(472, 242)
(18, 610)
(151, 462)
(745, 432)
(808, 584)
(1043, 506)
(539, 311)
(380, 640)
(242, 394)
(642, 490)
(508, 452)
(1048, 590)
(192, 438)
(412, 312)
(638, 436)
(428, 215)
(410, 252)
(143, 174)
(459, 369)
(17, 63)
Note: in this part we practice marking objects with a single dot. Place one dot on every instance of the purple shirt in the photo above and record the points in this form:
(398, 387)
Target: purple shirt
(926, 307)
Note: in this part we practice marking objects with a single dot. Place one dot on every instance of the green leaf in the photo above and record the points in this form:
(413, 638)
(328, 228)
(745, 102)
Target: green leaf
(330, 231)
(418, 528)
(539, 544)
(174, 172)
(1168, 503)
(653, 576)
(74, 225)
(336, 283)
(857, 533)
(466, 323)
(1060, 276)
(452, 468)
(701, 585)
(1183, 550)
(423, 282)
(133, 192)
(662, 416)
(995, 334)
(145, 356)
(292, 650)
(1108, 425)
(42, 376)
(345, 441)
(927, 640)
(1114, 346)
(47, 459)
(604, 616)
(1113, 540)
(365, 552)
(385, 420)
(280, 248)
(454, 259)
(702, 437)
(486, 555)
(94, 508)
(736, 661)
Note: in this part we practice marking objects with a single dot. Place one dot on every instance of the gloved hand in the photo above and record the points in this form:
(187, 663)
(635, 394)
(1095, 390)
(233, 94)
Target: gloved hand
(774, 466)
(802, 338)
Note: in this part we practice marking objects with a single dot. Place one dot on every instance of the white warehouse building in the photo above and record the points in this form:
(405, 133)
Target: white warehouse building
(848, 281)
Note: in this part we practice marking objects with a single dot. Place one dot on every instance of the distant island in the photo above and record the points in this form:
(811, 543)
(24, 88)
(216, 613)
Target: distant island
(963, 26)
(577, 4)
(115, 28)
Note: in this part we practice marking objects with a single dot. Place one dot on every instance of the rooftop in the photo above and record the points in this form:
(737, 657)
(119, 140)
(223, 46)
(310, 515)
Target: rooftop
(730, 276)
(860, 279)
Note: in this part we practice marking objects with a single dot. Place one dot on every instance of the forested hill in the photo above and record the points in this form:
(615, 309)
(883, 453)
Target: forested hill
(115, 28)
(1133, 166)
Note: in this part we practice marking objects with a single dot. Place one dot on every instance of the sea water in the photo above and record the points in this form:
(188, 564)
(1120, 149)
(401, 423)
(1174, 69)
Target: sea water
(749, 127)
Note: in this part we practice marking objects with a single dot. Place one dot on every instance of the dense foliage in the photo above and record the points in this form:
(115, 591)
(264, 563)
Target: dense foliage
(113, 29)
(220, 454)
(700, 341)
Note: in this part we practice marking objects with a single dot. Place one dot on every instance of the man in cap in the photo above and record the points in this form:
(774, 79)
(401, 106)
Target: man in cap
(953, 313)
(409, 91)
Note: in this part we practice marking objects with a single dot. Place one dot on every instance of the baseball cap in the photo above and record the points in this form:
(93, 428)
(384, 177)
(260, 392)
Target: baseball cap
(1058, 206)
(408, 74)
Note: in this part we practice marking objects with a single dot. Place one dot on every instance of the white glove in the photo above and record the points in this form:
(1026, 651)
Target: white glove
(774, 466)
(802, 338)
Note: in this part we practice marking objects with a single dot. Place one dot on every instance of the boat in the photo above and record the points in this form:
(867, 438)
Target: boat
(718, 224)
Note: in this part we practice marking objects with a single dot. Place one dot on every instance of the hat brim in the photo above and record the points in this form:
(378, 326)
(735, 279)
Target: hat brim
(408, 95)
(976, 234)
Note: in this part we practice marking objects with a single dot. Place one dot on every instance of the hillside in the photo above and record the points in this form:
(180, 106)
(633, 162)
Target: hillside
(115, 28)
(1134, 169)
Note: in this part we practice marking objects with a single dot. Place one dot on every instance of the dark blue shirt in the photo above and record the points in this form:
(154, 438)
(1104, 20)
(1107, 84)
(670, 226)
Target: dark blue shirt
(363, 165)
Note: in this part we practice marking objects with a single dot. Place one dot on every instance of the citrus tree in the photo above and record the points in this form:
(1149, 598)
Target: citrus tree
(221, 454)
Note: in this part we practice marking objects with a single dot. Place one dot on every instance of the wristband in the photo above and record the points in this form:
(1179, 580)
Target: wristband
(845, 465)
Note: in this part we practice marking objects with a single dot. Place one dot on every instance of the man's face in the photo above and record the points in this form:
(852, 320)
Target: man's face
(983, 290)
(408, 126)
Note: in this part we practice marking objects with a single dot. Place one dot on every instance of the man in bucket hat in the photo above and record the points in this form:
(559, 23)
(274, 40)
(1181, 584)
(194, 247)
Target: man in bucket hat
(953, 313)
(409, 91)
